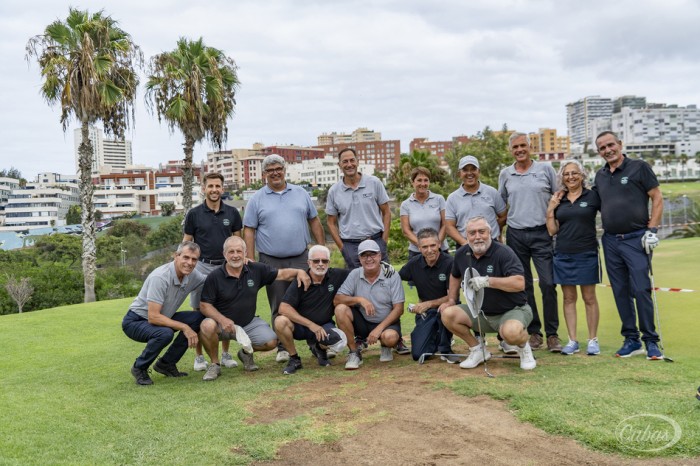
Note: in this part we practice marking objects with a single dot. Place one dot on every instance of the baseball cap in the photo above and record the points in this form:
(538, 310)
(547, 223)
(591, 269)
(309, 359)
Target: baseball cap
(367, 245)
(468, 160)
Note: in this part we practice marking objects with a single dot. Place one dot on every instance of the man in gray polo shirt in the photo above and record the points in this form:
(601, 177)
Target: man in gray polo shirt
(369, 305)
(357, 209)
(153, 318)
(527, 186)
(473, 199)
(277, 221)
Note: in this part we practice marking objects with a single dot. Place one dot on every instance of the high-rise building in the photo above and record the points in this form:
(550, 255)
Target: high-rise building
(359, 135)
(630, 101)
(579, 115)
(107, 154)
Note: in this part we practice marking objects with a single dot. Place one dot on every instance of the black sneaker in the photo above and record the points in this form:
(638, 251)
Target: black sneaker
(321, 354)
(401, 348)
(168, 370)
(361, 343)
(293, 365)
(141, 376)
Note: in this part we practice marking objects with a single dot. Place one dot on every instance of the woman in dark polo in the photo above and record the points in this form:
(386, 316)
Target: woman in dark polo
(571, 217)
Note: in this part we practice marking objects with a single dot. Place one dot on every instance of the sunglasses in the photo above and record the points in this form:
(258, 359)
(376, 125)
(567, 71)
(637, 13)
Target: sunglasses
(320, 261)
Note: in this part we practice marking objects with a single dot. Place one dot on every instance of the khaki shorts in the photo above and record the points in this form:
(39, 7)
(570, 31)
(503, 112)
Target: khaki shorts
(491, 324)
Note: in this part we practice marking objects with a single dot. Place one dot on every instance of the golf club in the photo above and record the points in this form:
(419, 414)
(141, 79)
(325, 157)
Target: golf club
(656, 310)
(475, 310)
(422, 357)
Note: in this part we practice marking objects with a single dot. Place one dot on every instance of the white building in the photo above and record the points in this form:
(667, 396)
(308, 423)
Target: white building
(359, 135)
(320, 172)
(581, 113)
(107, 154)
(239, 167)
(7, 185)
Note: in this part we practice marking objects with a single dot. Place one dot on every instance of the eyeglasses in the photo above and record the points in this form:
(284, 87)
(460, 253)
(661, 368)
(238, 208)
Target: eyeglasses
(571, 174)
(270, 171)
(320, 261)
(367, 254)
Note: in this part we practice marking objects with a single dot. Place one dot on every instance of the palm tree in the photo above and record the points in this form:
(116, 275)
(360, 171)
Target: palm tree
(88, 66)
(193, 89)
(683, 158)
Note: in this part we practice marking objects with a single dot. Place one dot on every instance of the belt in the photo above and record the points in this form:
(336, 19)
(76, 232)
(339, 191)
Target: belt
(537, 228)
(212, 262)
(358, 241)
(632, 234)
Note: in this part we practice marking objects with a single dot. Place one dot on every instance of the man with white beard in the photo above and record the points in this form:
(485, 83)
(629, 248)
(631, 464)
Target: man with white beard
(505, 308)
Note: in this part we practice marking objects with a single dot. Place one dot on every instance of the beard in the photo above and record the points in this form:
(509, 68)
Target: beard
(480, 247)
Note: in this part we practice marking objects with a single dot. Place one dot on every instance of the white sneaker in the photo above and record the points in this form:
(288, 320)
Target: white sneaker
(244, 340)
(386, 355)
(227, 360)
(282, 356)
(200, 364)
(476, 357)
(331, 353)
(507, 349)
(354, 361)
(527, 360)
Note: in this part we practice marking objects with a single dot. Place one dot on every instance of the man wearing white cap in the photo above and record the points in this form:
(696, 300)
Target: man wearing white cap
(473, 198)
(369, 305)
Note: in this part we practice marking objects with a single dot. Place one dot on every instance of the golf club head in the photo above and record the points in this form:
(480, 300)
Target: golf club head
(422, 357)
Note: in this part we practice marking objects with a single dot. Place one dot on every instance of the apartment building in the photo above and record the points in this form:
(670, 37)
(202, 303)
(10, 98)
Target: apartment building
(359, 135)
(320, 172)
(383, 155)
(579, 115)
(107, 154)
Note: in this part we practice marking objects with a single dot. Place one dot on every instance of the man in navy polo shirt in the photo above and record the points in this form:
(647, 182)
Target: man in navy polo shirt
(625, 187)
(429, 271)
(308, 314)
(208, 225)
(505, 307)
(229, 300)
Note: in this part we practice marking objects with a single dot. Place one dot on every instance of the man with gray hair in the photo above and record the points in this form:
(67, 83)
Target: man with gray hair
(153, 318)
(277, 221)
(527, 186)
(308, 314)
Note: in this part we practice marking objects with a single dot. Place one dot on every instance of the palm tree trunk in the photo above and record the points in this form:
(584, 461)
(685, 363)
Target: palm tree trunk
(187, 175)
(88, 214)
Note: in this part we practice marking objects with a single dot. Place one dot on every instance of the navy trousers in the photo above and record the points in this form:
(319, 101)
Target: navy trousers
(627, 265)
(157, 338)
(430, 335)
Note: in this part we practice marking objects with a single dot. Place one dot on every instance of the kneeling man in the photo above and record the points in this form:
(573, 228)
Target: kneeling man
(505, 308)
(229, 301)
(308, 314)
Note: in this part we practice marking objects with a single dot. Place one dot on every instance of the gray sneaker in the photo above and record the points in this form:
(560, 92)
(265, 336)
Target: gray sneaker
(354, 360)
(385, 355)
(213, 372)
(200, 364)
(282, 356)
(248, 361)
(450, 358)
(227, 360)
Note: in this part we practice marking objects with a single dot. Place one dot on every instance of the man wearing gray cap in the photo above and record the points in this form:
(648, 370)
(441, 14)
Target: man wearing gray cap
(277, 221)
(473, 198)
(369, 305)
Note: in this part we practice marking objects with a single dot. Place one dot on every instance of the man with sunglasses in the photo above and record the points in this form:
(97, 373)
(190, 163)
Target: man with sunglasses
(369, 305)
(277, 221)
(308, 314)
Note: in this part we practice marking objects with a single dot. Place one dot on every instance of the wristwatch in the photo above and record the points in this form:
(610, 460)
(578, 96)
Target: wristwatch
(654, 230)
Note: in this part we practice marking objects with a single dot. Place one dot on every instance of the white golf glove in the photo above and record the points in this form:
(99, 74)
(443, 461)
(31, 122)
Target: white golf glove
(649, 241)
(387, 269)
(477, 283)
(244, 340)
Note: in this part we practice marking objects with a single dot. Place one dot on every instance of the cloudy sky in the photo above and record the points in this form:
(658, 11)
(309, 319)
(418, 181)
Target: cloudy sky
(406, 68)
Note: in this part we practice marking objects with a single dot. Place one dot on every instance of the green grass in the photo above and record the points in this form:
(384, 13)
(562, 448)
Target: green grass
(689, 188)
(66, 395)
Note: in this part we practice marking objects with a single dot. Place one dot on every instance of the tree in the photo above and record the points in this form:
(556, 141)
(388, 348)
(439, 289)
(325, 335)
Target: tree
(399, 182)
(74, 215)
(683, 158)
(193, 89)
(167, 208)
(88, 66)
(490, 148)
(19, 290)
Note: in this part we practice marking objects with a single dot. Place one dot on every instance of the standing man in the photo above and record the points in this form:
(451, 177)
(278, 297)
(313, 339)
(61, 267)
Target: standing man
(308, 314)
(527, 186)
(625, 187)
(473, 198)
(208, 225)
(277, 223)
(429, 271)
(358, 209)
(153, 318)
(505, 308)
(229, 299)
(372, 305)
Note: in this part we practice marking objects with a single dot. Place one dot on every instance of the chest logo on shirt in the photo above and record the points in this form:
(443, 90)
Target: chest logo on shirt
(251, 283)
(331, 288)
(367, 195)
(489, 269)
(226, 222)
(624, 180)
(583, 204)
(442, 277)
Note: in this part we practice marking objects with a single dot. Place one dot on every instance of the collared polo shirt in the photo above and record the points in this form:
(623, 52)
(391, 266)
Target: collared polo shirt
(426, 214)
(163, 287)
(577, 223)
(431, 282)
(210, 229)
(383, 293)
(486, 202)
(236, 298)
(624, 198)
(527, 194)
(498, 261)
(281, 220)
(316, 303)
(357, 209)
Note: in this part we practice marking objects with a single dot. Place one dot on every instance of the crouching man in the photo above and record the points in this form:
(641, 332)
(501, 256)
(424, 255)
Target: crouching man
(153, 318)
(505, 308)
(308, 314)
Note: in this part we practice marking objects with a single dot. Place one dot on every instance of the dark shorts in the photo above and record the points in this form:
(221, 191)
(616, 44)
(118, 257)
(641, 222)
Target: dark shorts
(577, 269)
(363, 327)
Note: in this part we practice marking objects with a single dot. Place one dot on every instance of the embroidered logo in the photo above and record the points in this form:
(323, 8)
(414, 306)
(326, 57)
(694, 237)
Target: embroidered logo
(226, 222)
(251, 283)
(331, 288)
(624, 180)
(442, 277)
(583, 204)
(489, 269)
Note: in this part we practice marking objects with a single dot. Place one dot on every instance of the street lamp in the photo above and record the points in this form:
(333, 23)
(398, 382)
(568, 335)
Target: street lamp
(685, 208)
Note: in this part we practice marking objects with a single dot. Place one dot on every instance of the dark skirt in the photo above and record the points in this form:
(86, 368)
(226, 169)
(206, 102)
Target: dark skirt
(577, 269)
